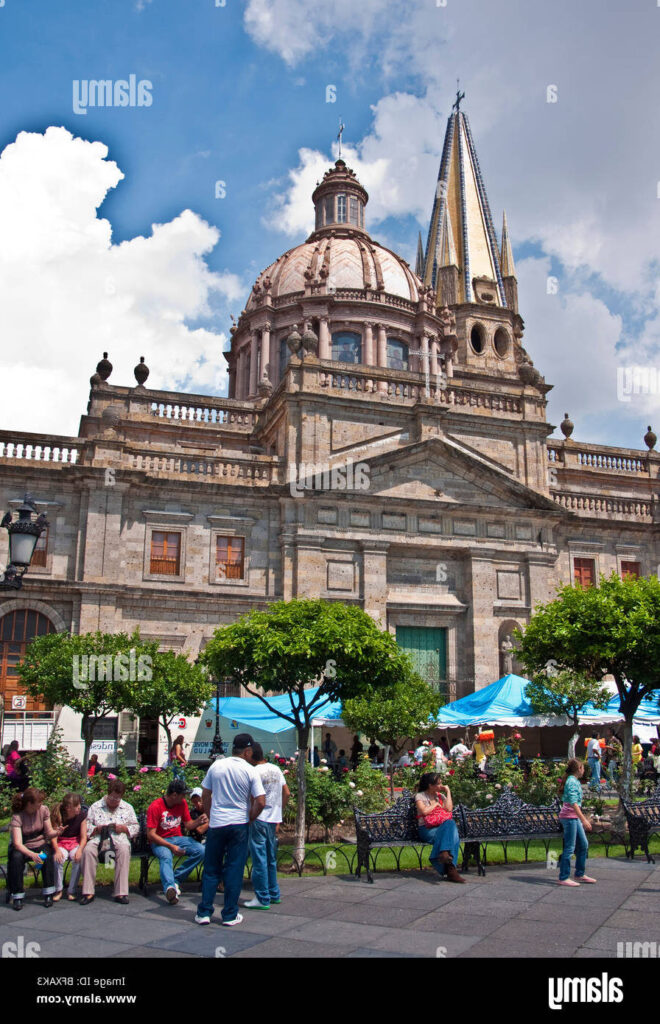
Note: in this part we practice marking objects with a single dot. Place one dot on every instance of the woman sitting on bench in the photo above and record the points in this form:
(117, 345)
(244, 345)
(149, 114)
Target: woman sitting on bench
(32, 839)
(434, 807)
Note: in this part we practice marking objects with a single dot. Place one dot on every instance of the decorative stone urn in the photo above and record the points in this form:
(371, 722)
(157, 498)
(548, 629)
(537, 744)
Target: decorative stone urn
(566, 426)
(141, 372)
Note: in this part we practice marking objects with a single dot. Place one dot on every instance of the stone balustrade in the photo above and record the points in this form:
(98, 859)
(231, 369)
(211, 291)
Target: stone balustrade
(38, 448)
(252, 471)
(603, 504)
(600, 459)
(216, 414)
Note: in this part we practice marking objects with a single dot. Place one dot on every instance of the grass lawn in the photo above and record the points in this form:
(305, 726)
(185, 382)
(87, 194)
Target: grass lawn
(337, 859)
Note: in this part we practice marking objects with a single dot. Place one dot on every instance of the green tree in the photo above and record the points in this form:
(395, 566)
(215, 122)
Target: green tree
(176, 687)
(392, 714)
(566, 693)
(298, 644)
(95, 674)
(609, 630)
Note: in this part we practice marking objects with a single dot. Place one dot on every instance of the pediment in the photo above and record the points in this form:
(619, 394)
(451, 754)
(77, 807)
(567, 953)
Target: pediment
(440, 470)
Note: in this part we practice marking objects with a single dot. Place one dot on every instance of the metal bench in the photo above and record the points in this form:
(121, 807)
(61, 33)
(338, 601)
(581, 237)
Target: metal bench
(643, 818)
(508, 820)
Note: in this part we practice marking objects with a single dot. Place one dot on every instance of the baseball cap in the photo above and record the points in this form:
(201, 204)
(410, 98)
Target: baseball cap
(197, 791)
(242, 741)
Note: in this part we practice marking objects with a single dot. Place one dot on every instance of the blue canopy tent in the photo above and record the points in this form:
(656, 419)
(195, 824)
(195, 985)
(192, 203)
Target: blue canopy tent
(249, 714)
(504, 702)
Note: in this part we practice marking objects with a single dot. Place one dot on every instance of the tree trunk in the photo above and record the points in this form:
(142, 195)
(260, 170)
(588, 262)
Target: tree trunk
(627, 773)
(87, 731)
(168, 733)
(572, 743)
(299, 839)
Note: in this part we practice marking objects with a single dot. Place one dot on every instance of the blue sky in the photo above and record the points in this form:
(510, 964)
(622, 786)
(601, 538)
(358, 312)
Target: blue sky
(239, 95)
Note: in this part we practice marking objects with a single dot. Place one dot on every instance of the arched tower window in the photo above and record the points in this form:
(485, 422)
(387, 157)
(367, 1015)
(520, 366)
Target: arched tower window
(478, 338)
(285, 356)
(346, 347)
(341, 208)
(397, 354)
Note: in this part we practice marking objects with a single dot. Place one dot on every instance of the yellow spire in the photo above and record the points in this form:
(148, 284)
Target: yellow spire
(506, 253)
(461, 232)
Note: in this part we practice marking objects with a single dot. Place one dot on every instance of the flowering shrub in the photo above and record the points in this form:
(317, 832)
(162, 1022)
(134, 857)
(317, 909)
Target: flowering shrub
(330, 800)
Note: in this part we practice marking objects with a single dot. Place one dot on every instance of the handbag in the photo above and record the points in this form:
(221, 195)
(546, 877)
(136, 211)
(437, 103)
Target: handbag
(438, 816)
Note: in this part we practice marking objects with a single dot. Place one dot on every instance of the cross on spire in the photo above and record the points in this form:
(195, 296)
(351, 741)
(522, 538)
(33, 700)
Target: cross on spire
(459, 96)
(341, 132)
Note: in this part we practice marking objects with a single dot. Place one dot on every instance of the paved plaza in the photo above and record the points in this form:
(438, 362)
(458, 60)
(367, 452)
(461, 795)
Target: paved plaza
(516, 911)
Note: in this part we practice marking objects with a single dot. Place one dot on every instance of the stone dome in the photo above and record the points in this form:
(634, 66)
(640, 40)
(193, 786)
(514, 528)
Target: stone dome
(335, 261)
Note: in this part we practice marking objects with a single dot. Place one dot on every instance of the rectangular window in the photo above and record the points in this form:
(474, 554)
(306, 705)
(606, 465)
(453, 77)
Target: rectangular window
(165, 554)
(341, 208)
(584, 572)
(330, 210)
(230, 558)
(354, 210)
(41, 551)
(630, 569)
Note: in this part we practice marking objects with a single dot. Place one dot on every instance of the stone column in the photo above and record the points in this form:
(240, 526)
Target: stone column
(325, 339)
(232, 379)
(368, 344)
(374, 580)
(381, 359)
(265, 352)
(274, 358)
(434, 356)
(424, 361)
(254, 349)
(288, 565)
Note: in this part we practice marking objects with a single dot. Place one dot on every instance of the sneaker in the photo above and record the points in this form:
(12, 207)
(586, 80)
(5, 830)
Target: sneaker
(256, 904)
(202, 919)
(278, 900)
(237, 920)
(586, 878)
(568, 881)
(178, 890)
(172, 895)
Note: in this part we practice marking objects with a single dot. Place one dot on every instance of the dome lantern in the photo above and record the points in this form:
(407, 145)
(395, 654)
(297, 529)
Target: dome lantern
(339, 201)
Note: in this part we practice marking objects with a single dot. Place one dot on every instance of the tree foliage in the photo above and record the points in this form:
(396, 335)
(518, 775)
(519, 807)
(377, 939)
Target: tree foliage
(612, 629)
(394, 713)
(295, 645)
(566, 693)
(176, 687)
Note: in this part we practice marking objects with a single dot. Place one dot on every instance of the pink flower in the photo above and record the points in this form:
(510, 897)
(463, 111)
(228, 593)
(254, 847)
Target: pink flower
(136, 789)
(112, 776)
(157, 769)
(144, 769)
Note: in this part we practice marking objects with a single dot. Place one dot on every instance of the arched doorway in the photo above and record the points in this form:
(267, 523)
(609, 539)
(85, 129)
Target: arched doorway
(17, 629)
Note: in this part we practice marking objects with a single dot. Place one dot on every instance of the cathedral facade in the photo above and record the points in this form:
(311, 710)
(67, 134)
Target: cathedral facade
(384, 443)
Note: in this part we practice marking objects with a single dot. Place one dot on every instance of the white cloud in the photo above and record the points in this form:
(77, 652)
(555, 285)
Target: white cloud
(67, 293)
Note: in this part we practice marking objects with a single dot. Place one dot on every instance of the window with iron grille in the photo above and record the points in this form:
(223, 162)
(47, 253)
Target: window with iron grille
(230, 558)
(165, 554)
(630, 569)
(584, 572)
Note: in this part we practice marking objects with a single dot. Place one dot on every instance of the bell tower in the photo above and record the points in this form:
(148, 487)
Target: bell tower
(463, 263)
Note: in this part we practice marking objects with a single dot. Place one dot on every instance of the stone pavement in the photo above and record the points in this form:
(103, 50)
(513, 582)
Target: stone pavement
(516, 911)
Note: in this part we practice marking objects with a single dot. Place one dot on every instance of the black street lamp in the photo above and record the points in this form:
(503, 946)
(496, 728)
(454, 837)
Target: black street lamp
(218, 746)
(24, 533)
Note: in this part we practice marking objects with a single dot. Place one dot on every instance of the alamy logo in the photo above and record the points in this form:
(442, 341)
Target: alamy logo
(635, 950)
(107, 668)
(636, 380)
(106, 93)
(20, 949)
(323, 477)
(584, 990)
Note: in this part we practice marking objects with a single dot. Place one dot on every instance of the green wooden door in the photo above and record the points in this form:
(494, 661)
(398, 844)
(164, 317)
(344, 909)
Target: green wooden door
(428, 650)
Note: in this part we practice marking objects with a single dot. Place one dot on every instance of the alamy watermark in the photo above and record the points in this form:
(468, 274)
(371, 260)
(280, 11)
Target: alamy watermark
(20, 949)
(108, 93)
(321, 476)
(111, 668)
(635, 950)
(636, 380)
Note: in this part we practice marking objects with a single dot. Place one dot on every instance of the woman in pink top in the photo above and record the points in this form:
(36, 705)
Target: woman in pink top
(69, 820)
(32, 839)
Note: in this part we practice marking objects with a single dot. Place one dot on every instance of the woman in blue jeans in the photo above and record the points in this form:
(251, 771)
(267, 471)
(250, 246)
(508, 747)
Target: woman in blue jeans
(434, 802)
(574, 824)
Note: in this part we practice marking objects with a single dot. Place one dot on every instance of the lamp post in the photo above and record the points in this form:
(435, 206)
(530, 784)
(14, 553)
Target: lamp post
(24, 533)
(218, 746)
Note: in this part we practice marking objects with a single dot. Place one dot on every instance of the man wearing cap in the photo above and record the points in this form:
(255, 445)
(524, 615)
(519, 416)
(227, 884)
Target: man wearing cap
(197, 811)
(232, 797)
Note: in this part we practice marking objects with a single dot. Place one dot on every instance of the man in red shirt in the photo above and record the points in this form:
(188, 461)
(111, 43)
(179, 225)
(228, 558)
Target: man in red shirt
(165, 817)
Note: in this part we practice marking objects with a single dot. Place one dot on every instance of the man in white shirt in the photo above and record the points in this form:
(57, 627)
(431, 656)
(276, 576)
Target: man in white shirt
(232, 797)
(593, 759)
(459, 750)
(263, 833)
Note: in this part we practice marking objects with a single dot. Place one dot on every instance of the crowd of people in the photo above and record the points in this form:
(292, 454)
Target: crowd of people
(237, 811)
